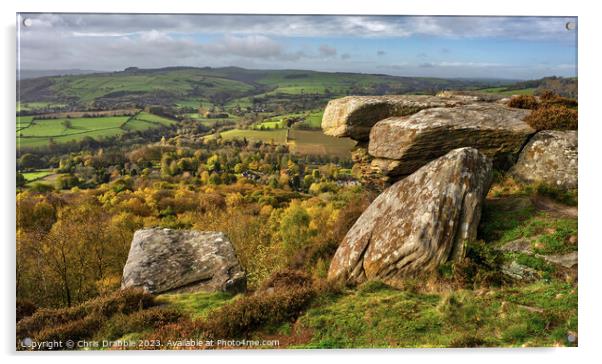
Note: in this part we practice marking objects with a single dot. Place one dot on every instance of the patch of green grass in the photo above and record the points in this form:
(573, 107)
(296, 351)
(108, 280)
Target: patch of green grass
(152, 118)
(32, 176)
(308, 142)
(504, 91)
(39, 132)
(503, 215)
(198, 304)
(380, 316)
(268, 136)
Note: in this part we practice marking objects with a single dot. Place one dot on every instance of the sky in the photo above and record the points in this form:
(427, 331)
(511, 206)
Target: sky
(450, 47)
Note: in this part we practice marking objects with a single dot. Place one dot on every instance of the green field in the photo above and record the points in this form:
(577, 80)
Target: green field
(37, 133)
(32, 176)
(38, 105)
(309, 142)
(179, 82)
(312, 119)
(505, 92)
(305, 142)
(277, 136)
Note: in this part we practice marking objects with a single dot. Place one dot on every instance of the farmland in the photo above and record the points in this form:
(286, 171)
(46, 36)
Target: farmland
(32, 132)
(303, 142)
(507, 92)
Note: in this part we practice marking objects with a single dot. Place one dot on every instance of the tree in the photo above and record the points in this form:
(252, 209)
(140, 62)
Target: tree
(29, 160)
(294, 228)
(20, 180)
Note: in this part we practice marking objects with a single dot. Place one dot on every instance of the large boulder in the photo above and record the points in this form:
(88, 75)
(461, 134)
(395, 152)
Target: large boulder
(401, 145)
(166, 260)
(418, 223)
(550, 157)
(354, 116)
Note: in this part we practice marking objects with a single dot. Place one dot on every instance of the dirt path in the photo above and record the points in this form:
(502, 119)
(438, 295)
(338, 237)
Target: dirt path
(553, 208)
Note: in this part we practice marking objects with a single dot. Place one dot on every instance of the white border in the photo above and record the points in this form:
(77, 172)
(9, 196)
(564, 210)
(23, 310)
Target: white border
(589, 167)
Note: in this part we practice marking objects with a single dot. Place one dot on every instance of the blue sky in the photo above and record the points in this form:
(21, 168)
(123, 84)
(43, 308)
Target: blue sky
(490, 47)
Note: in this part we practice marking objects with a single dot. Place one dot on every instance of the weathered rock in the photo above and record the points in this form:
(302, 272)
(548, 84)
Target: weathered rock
(165, 260)
(418, 223)
(568, 260)
(549, 157)
(354, 116)
(520, 245)
(520, 272)
(472, 95)
(401, 145)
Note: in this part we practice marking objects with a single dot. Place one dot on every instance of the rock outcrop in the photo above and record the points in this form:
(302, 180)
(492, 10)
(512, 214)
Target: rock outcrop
(354, 116)
(165, 260)
(418, 223)
(550, 157)
(401, 145)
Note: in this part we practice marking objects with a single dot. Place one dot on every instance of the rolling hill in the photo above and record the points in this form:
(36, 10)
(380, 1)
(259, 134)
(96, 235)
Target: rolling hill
(177, 85)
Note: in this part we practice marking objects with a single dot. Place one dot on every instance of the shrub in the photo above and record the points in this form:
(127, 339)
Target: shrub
(83, 320)
(138, 321)
(481, 266)
(245, 315)
(524, 102)
(73, 330)
(286, 278)
(282, 298)
(553, 118)
(550, 98)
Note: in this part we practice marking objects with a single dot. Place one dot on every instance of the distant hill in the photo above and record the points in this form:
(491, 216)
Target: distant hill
(173, 85)
(26, 74)
(567, 87)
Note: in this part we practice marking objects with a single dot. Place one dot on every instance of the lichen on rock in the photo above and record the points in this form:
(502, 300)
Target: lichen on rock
(166, 260)
(418, 223)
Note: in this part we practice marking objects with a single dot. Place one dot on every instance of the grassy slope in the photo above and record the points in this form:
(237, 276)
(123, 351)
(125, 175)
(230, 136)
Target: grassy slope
(378, 316)
(179, 82)
(539, 313)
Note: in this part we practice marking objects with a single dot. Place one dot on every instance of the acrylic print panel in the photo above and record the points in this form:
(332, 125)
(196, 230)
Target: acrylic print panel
(272, 182)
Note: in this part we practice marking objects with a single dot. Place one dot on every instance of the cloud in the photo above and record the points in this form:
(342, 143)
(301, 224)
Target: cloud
(252, 46)
(529, 28)
(116, 41)
(327, 51)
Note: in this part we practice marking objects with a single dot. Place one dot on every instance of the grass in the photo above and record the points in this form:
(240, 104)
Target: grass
(87, 88)
(38, 132)
(504, 91)
(306, 142)
(57, 128)
(38, 105)
(32, 176)
(266, 136)
(379, 316)
(198, 304)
